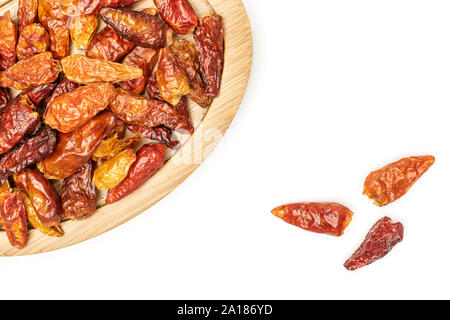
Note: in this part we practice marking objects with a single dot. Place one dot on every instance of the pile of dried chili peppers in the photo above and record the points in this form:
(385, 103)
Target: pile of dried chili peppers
(82, 119)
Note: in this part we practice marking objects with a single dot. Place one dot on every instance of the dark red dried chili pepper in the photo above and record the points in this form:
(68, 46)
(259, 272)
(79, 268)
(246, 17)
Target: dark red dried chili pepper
(38, 94)
(209, 38)
(380, 240)
(30, 151)
(78, 193)
(150, 158)
(328, 218)
(17, 120)
(139, 27)
(178, 14)
(109, 45)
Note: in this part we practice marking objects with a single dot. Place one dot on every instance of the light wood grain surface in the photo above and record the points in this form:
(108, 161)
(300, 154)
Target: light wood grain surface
(210, 128)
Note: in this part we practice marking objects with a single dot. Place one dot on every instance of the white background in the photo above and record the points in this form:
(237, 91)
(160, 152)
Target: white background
(338, 88)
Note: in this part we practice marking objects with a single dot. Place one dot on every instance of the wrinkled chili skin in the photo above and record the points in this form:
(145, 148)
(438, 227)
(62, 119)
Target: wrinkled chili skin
(78, 195)
(8, 83)
(83, 70)
(73, 109)
(325, 218)
(82, 30)
(37, 70)
(150, 158)
(17, 120)
(92, 6)
(209, 39)
(14, 216)
(172, 80)
(33, 39)
(380, 240)
(76, 148)
(144, 59)
(182, 107)
(42, 194)
(109, 45)
(393, 181)
(138, 27)
(135, 109)
(4, 98)
(188, 58)
(8, 41)
(27, 12)
(64, 86)
(178, 14)
(55, 22)
(30, 151)
(112, 172)
(39, 94)
(160, 134)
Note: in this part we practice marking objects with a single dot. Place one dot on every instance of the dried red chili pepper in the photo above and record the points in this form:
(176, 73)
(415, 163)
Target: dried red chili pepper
(188, 58)
(64, 86)
(74, 149)
(73, 109)
(55, 22)
(4, 98)
(35, 71)
(150, 158)
(380, 240)
(38, 94)
(78, 193)
(8, 41)
(160, 134)
(173, 82)
(108, 45)
(393, 181)
(144, 59)
(14, 217)
(135, 109)
(17, 120)
(82, 30)
(138, 27)
(30, 151)
(33, 39)
(84, 70)
(178, 14)
(27, 12)
(73, 7)
(209, 38)
(42, 194)
(327, 218)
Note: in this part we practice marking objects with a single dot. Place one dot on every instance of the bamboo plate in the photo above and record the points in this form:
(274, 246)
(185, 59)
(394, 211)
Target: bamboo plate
(210, 127)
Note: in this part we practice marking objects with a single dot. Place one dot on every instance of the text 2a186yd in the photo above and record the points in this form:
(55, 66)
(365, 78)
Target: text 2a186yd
(223, 310)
